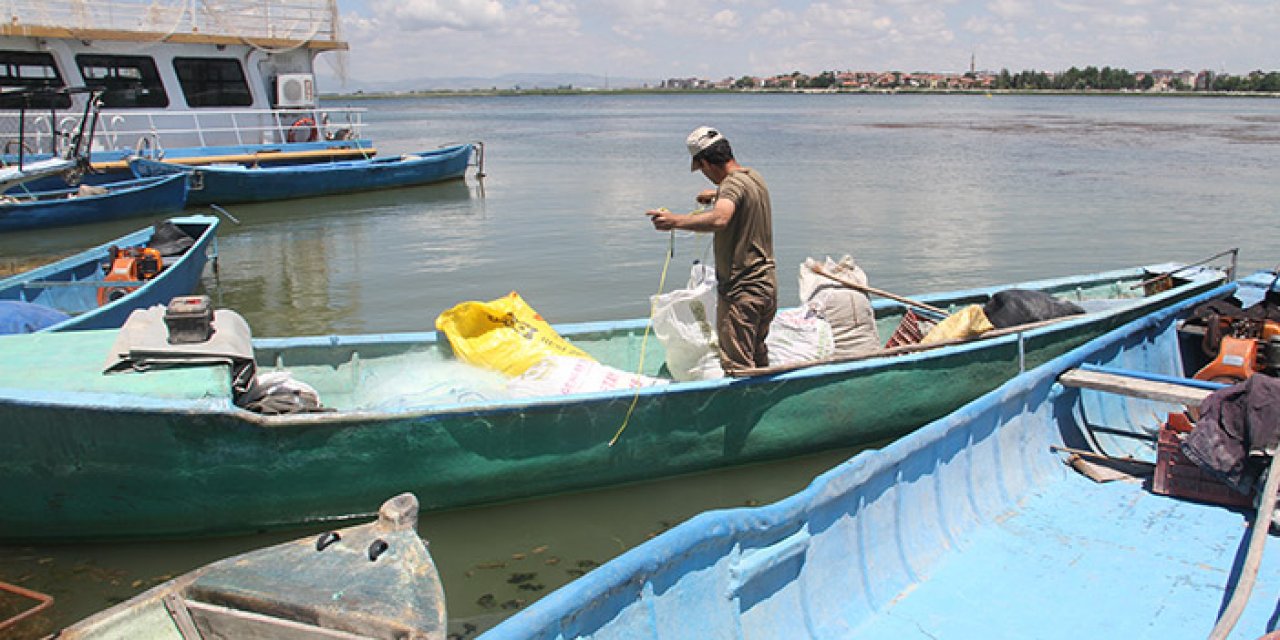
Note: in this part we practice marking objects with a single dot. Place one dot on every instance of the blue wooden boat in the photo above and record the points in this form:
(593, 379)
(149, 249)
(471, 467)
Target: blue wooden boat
(157, 196)
(971, 527)
(230, 184)
(374, 580)
(69, 294)
(44, 173)
(183, 458)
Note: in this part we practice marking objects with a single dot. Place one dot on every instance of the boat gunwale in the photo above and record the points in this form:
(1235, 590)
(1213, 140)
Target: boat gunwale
(41, 198)
(423, 157)
(867, 365)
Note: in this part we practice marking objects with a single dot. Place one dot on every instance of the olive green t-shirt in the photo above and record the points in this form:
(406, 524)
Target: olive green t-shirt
(744, 249)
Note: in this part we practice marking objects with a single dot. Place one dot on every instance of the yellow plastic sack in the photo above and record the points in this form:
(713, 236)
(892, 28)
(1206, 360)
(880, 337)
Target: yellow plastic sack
(505, 335)
(965, 323)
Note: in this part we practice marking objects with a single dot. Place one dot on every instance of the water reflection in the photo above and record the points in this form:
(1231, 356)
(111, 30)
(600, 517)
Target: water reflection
(308, 266)
(493, 560)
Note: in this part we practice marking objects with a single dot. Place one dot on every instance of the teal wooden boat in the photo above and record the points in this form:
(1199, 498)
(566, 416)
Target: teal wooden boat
(234, 183)
(971, 527)
(75, 294)
(166, 452)
(374, 580)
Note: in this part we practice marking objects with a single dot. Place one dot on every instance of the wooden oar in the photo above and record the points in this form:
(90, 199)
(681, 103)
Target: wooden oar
(1253, 557)
(817, 268)
(900, 350)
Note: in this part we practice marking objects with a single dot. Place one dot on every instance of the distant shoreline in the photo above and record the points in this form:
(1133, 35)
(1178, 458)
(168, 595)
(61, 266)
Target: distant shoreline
(483, 93)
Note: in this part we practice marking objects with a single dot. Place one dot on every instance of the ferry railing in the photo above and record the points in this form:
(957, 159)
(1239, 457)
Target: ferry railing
(155, 130)
(249, 20)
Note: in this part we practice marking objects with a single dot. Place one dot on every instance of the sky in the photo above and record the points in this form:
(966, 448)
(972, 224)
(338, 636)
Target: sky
(394, 40)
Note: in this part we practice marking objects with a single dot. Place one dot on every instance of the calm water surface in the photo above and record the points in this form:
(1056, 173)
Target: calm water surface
(926, 192)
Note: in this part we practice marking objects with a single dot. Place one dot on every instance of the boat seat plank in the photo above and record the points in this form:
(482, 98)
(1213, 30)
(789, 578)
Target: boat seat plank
(50, 284)
(1113, 382)
(223, 622)
(181, 616)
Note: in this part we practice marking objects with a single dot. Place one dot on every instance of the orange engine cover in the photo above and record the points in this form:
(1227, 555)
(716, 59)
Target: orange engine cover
(129, 265)
(1237, 360)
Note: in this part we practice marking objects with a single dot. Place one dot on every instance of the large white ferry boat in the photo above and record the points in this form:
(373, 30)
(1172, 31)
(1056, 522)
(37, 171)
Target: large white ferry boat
(195, 81)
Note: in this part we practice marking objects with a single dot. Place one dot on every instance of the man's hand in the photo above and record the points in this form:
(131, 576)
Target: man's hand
(707, 196)
(662, 219)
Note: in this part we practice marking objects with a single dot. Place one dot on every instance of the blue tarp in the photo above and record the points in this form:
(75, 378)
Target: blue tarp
(24, 317)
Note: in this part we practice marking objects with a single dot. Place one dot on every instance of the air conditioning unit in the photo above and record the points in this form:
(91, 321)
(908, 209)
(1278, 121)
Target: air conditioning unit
(295, 90)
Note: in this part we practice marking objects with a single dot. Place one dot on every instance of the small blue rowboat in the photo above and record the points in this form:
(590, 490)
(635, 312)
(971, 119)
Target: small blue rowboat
(971, 527)
(75, 293)
(234, 183)
(158, 196)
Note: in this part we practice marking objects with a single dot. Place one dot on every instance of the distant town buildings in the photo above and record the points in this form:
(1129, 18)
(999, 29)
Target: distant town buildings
(1086, 79)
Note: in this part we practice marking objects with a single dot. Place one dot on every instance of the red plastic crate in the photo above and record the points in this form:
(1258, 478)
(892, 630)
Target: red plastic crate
(1179, 477)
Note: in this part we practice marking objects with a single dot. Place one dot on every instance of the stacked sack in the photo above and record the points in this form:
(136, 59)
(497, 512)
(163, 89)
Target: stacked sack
(832, 322)
(853, 322)
(508, 336)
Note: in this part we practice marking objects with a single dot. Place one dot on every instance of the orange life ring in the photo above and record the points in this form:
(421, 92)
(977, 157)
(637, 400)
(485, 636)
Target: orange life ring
(303, 130)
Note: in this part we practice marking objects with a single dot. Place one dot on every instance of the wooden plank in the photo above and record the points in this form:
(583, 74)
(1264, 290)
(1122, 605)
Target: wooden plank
(273, 155)
(53, 284)
(181, 616)
(1134, 387)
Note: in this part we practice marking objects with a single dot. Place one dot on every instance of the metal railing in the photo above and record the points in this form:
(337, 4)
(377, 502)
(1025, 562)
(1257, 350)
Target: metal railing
(150, 132)
(265, 20)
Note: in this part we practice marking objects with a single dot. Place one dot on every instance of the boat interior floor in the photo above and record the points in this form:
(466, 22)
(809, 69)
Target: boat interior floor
(1164, 570)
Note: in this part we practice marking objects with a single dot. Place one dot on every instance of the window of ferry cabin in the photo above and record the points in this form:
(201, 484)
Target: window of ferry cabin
(128, 81)
(26, 70)
(213, 82)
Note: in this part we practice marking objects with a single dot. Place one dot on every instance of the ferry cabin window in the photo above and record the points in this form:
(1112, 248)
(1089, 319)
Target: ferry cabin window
(129, 81)
(213, 82)
(24, 70)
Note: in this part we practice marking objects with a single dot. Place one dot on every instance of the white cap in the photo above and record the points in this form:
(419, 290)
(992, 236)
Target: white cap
(698, 141)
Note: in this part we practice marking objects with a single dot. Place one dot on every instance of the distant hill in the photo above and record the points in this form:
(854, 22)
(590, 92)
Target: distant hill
(329, 84)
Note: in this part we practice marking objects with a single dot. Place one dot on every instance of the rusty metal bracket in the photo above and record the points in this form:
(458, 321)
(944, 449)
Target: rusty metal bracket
(43, 602)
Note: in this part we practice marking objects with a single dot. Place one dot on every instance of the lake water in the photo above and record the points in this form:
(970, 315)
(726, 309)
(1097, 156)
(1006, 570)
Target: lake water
(926, 192)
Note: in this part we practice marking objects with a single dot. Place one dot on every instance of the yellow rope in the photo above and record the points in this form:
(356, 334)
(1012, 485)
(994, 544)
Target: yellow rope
(662, 283)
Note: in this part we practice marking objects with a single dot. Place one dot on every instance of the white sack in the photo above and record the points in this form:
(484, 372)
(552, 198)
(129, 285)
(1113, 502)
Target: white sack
(563, 375)
(799, 335)
(853, 322)
(684, 321)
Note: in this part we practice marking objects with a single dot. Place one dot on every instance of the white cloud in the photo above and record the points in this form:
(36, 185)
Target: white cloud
(462, 15)
(725, 19)
(1010, 8)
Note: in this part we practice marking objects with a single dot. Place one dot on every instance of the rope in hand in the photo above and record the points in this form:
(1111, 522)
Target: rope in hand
(644, 342)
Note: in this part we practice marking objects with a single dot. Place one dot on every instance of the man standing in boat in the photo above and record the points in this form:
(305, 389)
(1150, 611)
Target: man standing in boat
(741, 217)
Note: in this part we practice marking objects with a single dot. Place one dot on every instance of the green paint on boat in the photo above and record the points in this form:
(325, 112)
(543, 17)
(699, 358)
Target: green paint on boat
(165, 453)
